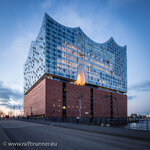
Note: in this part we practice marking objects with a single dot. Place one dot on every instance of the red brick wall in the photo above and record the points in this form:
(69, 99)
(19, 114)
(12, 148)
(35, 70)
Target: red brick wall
(101, 103)
(119, 105)
(53, 98)
(46, 98)
(35, 99)
(72, 100)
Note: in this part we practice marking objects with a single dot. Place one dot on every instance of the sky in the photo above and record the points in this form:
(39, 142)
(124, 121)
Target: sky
(127, 21)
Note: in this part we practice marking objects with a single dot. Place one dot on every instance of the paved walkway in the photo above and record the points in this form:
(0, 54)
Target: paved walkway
(136, 134)
(4, 140)
(61, 136)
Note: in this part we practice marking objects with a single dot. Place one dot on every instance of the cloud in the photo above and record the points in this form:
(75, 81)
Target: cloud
(6, 93)
(11, 106)
(46, 4)
(141, 87)
(131, 97)
(9, 97)
(13, 58)
(138, 96)
(99, 26)
(114, 4)
(140, 103)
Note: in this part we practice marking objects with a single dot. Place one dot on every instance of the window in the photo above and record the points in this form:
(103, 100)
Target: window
(81, 55)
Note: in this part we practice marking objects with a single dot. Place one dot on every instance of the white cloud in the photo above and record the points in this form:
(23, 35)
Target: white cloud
(114, 4)
(99, 27)
(139, 104)
(12, 60)
(139, 94)
(46, 4)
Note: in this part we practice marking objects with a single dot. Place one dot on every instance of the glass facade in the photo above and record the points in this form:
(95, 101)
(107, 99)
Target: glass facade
(58, 51)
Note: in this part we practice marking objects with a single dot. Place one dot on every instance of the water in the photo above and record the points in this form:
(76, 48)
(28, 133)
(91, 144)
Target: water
(140, 125)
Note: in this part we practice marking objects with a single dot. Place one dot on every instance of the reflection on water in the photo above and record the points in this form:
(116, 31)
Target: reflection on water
(140, 125)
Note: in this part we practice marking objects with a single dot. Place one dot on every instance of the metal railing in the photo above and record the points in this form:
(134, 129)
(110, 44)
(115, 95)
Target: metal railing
(141, 124)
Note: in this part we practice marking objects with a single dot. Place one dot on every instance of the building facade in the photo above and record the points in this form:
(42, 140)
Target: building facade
(67, 75)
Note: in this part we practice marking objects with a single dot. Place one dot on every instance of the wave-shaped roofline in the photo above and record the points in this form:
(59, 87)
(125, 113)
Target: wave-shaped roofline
(78, 28)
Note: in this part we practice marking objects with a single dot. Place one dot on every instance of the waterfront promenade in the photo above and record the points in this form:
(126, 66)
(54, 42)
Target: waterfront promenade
(70, 136)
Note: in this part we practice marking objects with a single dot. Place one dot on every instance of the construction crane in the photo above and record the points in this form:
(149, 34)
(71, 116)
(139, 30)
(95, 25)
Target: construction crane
(14, 107)
(20, 109)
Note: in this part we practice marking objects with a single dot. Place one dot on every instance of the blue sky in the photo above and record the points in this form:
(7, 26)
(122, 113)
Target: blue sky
(128, 21)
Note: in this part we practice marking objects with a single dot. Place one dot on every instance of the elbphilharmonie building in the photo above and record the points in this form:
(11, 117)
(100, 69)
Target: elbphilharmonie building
(66, 72)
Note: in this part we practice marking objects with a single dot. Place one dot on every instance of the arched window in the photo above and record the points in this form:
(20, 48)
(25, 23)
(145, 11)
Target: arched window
(80, 76)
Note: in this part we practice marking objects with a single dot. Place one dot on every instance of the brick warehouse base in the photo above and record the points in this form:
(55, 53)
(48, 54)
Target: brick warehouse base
(59, 100)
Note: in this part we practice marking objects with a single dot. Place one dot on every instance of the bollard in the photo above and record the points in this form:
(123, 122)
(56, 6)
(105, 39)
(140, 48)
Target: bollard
(107, 125)
(102, 124)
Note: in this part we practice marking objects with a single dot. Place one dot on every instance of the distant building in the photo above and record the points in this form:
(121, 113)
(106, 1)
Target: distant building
(67, 75)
